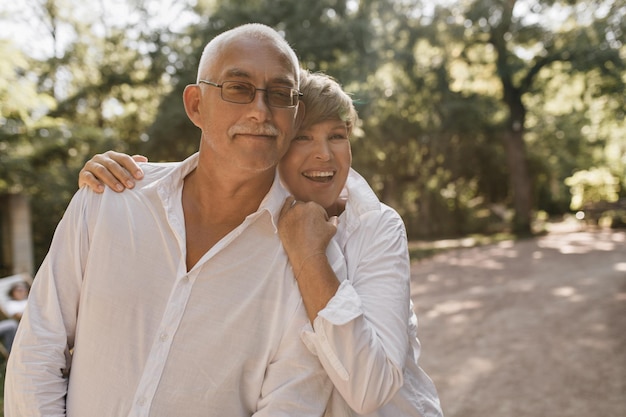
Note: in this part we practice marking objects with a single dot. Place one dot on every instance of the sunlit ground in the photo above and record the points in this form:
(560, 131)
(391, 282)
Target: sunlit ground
(529, 328)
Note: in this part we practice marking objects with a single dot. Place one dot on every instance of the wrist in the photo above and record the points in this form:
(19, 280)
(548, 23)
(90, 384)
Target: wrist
(306, 260)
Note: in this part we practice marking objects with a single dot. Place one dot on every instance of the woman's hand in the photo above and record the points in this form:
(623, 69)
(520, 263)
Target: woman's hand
(113, 169)
(304, 230)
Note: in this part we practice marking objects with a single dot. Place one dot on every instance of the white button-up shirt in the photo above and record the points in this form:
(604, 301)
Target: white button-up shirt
(366, 336)
(150, 339)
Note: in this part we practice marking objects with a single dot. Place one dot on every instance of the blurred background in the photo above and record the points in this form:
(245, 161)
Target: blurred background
(478, 116)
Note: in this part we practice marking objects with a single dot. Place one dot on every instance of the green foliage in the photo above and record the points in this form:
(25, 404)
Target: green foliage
(439, 90)
(95, 94)
(592, 186)
(173, 136)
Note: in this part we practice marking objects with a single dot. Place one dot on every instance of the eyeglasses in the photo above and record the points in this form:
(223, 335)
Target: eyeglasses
(242, 92)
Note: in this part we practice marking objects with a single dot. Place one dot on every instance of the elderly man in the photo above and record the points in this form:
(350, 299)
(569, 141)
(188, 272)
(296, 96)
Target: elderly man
(177, 299)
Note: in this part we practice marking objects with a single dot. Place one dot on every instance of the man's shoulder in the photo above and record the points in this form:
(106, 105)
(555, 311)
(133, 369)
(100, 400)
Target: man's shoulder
(177, 171)
(155, 171)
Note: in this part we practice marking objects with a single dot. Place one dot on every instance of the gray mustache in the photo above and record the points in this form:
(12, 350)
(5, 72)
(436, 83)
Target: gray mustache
(266, 130)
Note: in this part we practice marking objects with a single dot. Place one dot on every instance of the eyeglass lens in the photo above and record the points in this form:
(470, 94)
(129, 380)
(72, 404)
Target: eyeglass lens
(243, 93)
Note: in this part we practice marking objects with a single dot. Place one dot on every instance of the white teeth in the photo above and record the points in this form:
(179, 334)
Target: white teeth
(319, 174)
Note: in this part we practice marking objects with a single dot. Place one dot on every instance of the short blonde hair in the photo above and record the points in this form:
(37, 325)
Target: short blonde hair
(324, 99)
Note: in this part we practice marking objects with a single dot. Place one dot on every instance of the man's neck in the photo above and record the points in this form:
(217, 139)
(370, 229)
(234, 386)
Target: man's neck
(214, 206)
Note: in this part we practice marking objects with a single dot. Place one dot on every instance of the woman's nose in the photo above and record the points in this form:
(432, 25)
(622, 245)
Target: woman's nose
(322, 151)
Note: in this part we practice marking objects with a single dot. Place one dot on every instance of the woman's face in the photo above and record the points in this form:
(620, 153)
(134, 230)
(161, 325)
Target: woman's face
(316, 165)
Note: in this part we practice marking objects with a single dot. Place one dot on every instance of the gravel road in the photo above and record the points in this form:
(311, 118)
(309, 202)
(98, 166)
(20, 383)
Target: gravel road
(533, 328)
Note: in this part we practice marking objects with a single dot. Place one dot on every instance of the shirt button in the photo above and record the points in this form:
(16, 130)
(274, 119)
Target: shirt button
(141, 401)
(185, 279)
(163, 337)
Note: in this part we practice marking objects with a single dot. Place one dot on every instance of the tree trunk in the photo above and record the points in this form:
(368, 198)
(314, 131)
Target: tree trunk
(515, 147)
(519, 174)
(519, 180)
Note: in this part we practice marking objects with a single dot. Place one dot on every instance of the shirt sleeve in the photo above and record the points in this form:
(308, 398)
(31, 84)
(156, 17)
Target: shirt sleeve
(361, 336)
(36, 376)
(295, 383)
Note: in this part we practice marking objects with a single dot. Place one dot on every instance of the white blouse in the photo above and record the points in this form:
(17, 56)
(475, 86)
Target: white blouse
(366, 336)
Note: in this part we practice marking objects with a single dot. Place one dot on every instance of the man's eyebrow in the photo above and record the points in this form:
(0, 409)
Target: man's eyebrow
(241, 73)
(237, 72)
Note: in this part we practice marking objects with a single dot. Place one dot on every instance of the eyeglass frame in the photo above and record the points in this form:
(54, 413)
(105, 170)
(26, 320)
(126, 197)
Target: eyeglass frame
(254, 90)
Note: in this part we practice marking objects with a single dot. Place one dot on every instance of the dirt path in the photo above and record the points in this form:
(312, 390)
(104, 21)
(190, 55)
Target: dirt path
(535, 328)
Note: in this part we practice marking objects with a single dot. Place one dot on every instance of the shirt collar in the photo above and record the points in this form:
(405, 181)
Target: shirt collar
(361, 196)
(361, 199)
(274, 200)
(169, 187)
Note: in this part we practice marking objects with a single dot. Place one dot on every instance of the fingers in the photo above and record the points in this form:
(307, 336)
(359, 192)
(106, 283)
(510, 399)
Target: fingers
(289, 203)
(121, 165)
(86, 178)
(139, 158)
(312, 207)
(304, 227)
(96, 175)
(334, 220)
(113, 169)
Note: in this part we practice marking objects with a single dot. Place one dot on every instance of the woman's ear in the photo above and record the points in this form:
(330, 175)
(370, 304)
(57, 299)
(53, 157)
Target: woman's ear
(191, 100)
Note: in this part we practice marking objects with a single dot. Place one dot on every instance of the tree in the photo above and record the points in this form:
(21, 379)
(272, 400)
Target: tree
(525, 44)
(334, 49)
(92, 92)
(467, 111)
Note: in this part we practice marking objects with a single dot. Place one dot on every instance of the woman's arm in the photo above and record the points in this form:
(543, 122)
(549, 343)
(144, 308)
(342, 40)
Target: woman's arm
(361, 324)
(305, 231)
(113, 169)
(371, 343)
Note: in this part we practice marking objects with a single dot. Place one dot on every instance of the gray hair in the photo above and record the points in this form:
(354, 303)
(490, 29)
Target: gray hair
(254, 31)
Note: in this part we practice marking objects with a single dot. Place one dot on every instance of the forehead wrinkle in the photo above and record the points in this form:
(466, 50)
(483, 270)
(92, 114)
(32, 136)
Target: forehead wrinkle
(242, 73)
(237, 73)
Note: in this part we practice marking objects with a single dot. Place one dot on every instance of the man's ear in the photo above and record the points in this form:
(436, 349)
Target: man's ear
(191, 100)
(300, 112)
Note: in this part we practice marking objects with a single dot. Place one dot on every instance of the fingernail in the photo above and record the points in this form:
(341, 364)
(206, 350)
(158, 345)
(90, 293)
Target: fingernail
(130, 184)
(139, 174)
(119, 187)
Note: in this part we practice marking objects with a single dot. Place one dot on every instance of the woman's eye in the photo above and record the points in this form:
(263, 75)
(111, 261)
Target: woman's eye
(301, 138)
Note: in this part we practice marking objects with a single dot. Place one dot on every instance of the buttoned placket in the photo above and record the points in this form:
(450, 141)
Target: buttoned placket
(179, 297)
(173, 314)
(159, 352)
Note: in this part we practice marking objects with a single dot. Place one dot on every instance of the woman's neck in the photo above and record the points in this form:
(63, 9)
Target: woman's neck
(336, 208)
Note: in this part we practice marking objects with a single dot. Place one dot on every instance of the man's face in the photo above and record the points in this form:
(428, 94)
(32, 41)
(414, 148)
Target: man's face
(317, 163)
(252, 136)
